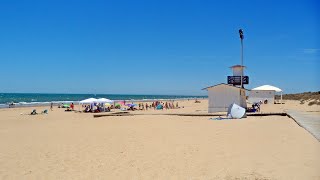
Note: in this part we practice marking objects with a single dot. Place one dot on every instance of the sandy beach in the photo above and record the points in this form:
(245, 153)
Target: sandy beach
(140, 90)
(69, 145)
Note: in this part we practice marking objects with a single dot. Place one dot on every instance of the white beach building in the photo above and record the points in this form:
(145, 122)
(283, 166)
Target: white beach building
(221, 96)
(262, 93)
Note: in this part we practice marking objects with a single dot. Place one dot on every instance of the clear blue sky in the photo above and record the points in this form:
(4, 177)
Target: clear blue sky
(156, 47)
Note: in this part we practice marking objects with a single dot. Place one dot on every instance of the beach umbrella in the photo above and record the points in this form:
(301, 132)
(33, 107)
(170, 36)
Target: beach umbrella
(88, 101)
(107, 104)
(104, 100)
(130, 105)
(66, 106)
(121, 102)
(236, 111)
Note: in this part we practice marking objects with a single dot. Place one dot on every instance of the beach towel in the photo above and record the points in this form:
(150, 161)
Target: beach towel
(220, 118)
(66, 106)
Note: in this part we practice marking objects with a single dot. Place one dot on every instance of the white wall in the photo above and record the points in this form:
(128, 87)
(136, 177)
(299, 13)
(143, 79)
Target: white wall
(259, 95)
(237, 71)
(222, 96)
(243, 102)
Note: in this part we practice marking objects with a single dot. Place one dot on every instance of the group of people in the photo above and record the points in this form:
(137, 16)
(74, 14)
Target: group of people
(100, 107)
(34, 112)
(69, 107)
(96, 107)
(254, 108)
(158, 105)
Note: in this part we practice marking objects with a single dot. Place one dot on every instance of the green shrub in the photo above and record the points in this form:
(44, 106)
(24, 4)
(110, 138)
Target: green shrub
(314, 103)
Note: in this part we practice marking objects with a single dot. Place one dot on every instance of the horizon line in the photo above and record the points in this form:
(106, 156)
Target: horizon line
(98, 94)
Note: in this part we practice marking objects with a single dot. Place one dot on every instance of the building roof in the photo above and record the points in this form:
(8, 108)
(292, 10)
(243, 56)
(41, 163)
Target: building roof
(223, 84)
(236, 66)
(267, 88)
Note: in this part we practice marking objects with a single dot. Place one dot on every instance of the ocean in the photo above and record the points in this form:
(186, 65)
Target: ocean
(42, 99)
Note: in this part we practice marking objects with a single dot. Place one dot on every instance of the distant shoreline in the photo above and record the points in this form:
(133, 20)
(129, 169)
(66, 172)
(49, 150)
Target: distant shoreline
(55, 103)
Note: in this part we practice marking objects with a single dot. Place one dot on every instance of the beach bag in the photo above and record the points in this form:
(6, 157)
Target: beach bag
(159, 106)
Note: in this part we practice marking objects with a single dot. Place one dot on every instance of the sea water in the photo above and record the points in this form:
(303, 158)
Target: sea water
(42, 99)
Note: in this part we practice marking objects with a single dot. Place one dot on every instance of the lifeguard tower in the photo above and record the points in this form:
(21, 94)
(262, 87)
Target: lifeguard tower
(239, 80)
(221, 96)
(237, 76)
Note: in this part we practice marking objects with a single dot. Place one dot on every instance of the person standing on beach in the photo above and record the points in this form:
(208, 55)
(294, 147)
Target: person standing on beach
(72, 106)
(51, 106)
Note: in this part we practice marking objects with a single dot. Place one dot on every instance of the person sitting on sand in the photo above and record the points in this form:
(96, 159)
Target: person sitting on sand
(87, 109)
(68, 109)
(34, 112)
(256, 106)
(131, 108)
(166, 105)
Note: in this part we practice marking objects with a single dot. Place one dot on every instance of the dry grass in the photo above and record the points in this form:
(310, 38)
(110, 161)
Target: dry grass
(302, 97)
(314, 102)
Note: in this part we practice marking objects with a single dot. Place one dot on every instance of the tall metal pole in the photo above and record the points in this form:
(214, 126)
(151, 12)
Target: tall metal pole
(241, 40)
(242, 62)
(241, 87)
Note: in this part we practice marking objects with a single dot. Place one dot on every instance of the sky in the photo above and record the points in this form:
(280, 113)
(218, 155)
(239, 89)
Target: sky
(156, 47)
